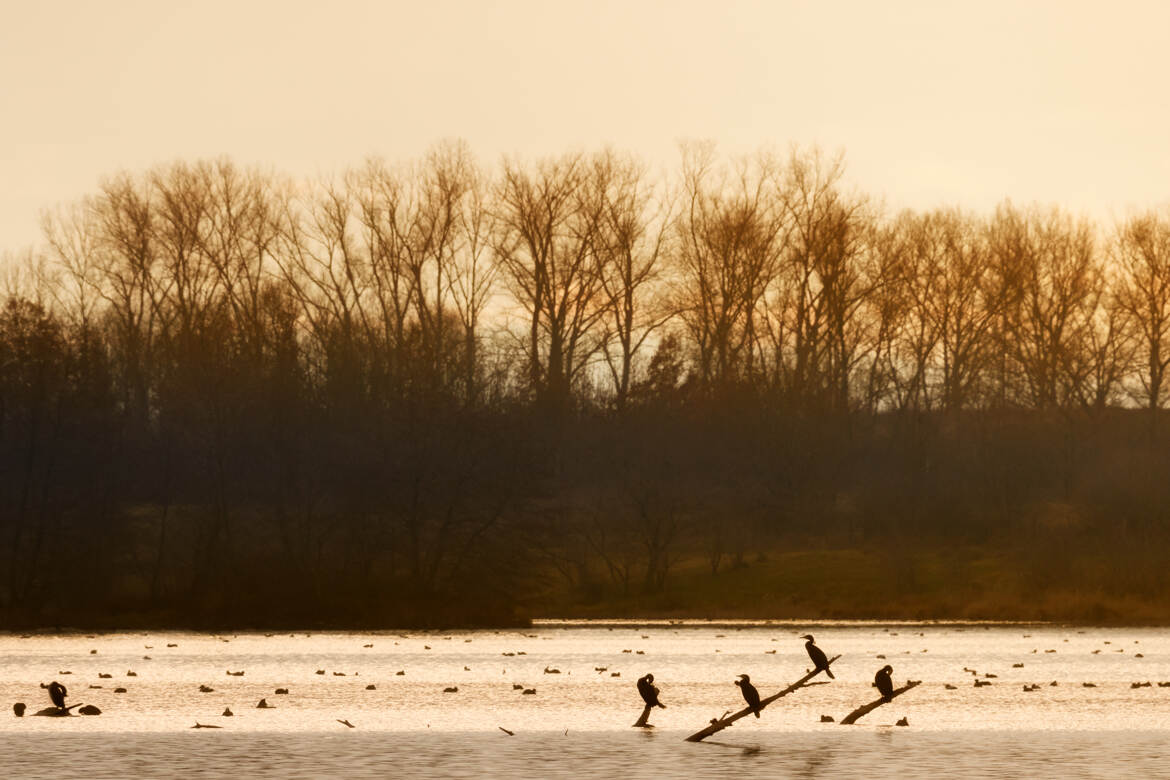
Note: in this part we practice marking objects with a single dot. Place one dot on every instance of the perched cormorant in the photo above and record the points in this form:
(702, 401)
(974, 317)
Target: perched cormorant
(57, 693)
(750, 694)
(649, 691)
(820, 661)
(883, 683)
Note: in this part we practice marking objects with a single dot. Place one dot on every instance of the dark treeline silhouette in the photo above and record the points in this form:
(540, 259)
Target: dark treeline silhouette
(433, 394)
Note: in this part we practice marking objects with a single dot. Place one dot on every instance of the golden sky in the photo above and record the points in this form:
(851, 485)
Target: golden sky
(933, 102)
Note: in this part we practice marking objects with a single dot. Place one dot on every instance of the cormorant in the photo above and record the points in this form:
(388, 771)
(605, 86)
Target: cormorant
(57, 693)
(820, 661)
(883, 683)
(649, 691)
(750, 694)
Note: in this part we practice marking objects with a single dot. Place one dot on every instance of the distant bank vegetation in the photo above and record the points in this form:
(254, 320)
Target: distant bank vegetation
(435, 393)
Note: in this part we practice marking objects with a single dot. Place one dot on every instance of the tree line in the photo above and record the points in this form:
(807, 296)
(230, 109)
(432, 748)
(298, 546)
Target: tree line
(428, 392)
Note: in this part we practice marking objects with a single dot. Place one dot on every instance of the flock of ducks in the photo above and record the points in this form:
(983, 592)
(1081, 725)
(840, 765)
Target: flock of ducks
(645, 685)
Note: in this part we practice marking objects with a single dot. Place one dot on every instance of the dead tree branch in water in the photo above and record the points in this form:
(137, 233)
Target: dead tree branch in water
(852, 717)
(718, 724)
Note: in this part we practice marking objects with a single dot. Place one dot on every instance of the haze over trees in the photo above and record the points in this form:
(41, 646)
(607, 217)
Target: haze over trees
(432, 392)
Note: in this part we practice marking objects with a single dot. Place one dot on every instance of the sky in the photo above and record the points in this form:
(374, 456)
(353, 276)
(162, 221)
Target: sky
(934, 103)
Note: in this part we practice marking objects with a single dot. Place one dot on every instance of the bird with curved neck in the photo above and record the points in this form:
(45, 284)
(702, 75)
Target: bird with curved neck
(57, 693)
(819, 659)
(882, 682)
(649, 691)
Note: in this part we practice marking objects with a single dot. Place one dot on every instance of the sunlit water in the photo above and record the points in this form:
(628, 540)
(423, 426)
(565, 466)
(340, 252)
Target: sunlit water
(579, 720)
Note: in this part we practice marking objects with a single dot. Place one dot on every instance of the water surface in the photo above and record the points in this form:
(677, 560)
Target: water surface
(578, 721)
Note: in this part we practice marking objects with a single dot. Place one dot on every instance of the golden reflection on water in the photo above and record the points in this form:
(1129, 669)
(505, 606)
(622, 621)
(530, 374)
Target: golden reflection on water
(694, 665)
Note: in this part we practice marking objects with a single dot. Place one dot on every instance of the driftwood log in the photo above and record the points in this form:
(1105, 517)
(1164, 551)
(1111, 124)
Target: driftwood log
(718, 724)
(56, 712)
(860, 712)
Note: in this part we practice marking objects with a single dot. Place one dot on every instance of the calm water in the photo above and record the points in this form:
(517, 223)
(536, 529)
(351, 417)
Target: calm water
(578, 722)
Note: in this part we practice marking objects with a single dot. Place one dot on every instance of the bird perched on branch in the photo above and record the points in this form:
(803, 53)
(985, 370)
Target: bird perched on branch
(750, 694)
(819, 659)
(649, 691)
(883, 683)
(57, 693)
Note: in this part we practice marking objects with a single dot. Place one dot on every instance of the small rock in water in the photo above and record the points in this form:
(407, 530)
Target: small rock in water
(93, 652)
(452, 689)
(320, 671)
(903, 722)
(281, 691)
(827, 719)
(529, 691)
(206, 689)
(264, 705)
(131, 674)
(518, 687)
(227, 712)
(615, 674)
(950, 687)
(89, 709)
(119, 690)
(18, 709)
(400, 673)
(104, 676)
(371, 688)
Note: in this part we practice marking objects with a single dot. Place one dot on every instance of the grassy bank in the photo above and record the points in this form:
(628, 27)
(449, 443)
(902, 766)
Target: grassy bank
(958, 584)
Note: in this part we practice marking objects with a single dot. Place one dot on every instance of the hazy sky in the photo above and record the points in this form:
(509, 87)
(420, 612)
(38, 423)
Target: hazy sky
(933, 102)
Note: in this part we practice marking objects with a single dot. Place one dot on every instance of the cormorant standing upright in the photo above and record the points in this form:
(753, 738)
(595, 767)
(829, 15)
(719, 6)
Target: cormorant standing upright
(649, 691)
(820, 661)
(883, 683)
(57, 693)
(750, 694)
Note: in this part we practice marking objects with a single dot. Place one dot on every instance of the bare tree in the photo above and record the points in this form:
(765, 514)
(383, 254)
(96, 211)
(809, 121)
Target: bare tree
(1141, 252)
(730, 234)
(547, 247)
